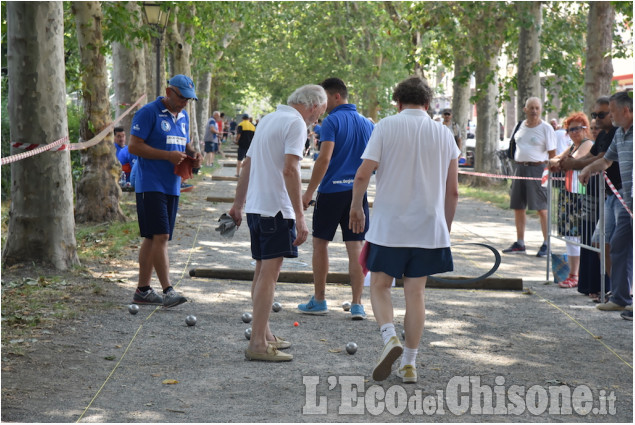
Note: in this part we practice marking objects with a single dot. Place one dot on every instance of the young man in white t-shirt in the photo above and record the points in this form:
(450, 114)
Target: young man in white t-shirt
(271, 185)
(416, 160)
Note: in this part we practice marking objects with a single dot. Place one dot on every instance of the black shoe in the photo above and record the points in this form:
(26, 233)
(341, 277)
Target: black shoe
(542, 252)
(627, 315)
(516, 248)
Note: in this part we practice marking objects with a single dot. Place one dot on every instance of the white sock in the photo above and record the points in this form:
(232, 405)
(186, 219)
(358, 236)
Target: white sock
(409, 356)
(387, 332)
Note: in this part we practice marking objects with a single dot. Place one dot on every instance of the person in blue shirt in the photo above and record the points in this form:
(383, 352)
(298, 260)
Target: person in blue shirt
(120, 138)
(343, 138)
(160, 139)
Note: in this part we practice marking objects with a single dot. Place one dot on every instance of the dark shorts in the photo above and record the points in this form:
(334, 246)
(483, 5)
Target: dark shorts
(211, 147)
(156, 213)
(332, 210)
(409, 262)
(242, 153)
(271, 237)
(528, 193)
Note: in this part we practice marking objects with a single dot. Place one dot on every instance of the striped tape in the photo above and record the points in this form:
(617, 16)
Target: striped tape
(33, 149)
(617, 194)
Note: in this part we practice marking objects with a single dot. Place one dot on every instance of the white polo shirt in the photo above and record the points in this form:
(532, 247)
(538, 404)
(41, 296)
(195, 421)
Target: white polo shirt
(414, 153)
(532, 144)
(280, 133)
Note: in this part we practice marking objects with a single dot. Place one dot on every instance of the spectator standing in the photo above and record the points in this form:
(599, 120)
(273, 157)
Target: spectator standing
(535, 144)
(160, 139)
(344, 135)
(589, 274)
(416, 160)
(620, 150)
(211, 138)
(245, 133)
(570, 203)
(271, 186)
(455, 129)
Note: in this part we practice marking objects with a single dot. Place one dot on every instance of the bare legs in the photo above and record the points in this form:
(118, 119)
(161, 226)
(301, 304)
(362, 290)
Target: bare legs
(262, 294)
(153, 255)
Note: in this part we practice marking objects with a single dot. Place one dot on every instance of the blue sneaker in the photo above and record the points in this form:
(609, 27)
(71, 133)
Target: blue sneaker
(357, 312)
(314, 307)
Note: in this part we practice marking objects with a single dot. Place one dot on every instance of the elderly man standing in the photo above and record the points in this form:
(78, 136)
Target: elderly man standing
(160, 138)
(271, 185)
(621, 150)
(416, 160)
(535, 144)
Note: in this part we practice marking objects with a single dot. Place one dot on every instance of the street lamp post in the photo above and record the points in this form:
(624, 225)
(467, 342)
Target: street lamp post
(157, 18)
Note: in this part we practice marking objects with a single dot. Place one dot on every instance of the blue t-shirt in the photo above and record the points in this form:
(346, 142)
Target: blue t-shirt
(317, 128)
(350, 132)
(209, 136)
(159, 129)
(119, 148)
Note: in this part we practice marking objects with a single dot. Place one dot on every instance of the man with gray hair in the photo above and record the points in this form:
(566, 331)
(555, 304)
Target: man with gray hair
(621, 150)
(270, 192)
(535, 144)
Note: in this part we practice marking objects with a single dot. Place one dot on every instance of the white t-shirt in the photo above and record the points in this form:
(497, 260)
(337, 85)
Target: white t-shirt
(414, 153)
(280, 133)
(563, 141)
(532, 144)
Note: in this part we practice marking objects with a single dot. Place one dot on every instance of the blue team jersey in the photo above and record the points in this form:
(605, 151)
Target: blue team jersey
(158, 128)
(125, 157)
(350, 132)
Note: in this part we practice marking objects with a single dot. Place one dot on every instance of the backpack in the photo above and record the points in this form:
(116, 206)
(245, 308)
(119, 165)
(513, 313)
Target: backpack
(511, 150)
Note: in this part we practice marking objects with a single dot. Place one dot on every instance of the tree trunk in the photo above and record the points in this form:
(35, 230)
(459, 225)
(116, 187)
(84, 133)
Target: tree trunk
(41, 223)
(129, 72)
(528, 53)
(599, 65)
(97, 191)
(487, 118)
(461, 94)
(203, 92)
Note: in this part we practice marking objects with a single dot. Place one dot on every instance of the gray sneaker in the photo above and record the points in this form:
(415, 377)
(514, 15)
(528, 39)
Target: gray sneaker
(149, 297)
(172, 299)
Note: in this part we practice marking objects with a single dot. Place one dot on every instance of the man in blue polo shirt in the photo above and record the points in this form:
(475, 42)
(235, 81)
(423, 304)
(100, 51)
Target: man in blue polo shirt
(343, 138)
(159, 138)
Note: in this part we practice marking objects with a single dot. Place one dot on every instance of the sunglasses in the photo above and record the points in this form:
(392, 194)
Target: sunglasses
(187, 99)
(574, 129)
(599, 115)
(447, 113)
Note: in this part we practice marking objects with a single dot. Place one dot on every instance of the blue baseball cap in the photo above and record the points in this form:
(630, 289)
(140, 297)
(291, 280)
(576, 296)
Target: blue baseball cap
(184, 84)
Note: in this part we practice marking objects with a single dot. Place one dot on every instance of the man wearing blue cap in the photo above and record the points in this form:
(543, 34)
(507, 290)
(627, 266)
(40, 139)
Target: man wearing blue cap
(160, 137)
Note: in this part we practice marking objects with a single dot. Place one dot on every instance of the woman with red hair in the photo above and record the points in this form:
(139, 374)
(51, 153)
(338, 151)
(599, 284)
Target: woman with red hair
(569, 204)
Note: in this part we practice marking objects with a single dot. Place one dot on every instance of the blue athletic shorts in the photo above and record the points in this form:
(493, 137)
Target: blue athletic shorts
(409, 262)
(156, 213)
(271, 237)
(332, 210)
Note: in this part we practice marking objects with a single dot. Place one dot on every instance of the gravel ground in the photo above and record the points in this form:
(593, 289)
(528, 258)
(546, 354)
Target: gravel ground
(520, 347)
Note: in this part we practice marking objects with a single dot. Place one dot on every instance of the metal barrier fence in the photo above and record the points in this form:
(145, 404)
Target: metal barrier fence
(575, 211)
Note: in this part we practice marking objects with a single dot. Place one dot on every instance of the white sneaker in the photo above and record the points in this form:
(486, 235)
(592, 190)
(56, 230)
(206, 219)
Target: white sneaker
(392, 351)
(408, 374)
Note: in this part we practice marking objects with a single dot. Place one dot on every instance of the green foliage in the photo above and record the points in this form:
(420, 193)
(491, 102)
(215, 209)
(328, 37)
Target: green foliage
(563, 43)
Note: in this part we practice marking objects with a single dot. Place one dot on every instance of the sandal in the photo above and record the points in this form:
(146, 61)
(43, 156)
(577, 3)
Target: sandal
(570, 282)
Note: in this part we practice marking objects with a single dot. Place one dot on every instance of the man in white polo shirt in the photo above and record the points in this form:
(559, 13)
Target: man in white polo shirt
(271, 185)
(416, 160)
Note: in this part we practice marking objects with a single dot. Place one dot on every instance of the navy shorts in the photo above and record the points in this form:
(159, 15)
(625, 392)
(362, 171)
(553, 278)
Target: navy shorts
(332, 210)
(409, 262)
(211, 147)
(242, 153)
(156, 213)
(271, 237)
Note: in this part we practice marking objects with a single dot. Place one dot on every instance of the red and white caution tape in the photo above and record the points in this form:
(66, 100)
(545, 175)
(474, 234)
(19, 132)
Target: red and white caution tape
(617, 194)
(34, 149)
(498, 176)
